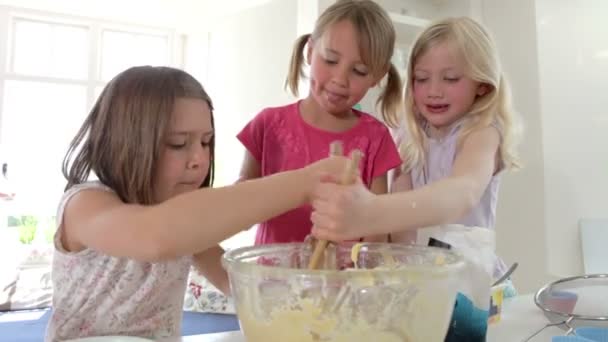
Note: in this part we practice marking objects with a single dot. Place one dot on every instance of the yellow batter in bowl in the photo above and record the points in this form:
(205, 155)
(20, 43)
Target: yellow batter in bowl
(396, 293)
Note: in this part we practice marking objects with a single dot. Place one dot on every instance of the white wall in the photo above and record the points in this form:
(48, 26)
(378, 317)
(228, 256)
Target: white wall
(248, 61)
(520, 227)
(573, 60)
(556, 57)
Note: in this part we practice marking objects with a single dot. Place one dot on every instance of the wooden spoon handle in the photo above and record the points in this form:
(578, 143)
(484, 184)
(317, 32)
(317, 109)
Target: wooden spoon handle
(349, 176)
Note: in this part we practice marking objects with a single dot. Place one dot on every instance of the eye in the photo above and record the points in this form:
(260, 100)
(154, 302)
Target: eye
(331, 61)
(360, 72)
(176, 144)
(452, 79)
(420, 79)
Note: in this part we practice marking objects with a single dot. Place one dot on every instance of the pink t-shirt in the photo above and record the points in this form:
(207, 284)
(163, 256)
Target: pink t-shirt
(280, 140)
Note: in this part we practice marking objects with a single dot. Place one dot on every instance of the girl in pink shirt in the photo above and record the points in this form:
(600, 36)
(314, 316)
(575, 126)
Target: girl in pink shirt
(349, 52)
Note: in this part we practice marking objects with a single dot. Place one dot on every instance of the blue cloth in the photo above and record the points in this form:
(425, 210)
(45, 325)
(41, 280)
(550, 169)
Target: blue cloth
(468, 324)
(30, 325)
(585, 334)
(570, 339)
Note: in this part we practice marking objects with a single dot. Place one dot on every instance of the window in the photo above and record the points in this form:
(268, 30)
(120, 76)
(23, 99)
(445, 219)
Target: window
(47, 49)
(55, 68)
(121, 50)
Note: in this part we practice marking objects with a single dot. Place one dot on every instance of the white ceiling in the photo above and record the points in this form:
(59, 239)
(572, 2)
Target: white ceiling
(184, 15)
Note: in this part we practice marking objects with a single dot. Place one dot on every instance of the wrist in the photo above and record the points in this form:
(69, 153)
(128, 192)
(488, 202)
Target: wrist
(305, 181)
(375, 216)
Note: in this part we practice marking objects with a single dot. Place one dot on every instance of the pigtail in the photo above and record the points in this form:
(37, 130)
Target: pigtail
(390, 101)
(295, 65)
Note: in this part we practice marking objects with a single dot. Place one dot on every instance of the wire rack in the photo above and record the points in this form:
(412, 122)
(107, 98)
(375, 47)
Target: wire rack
(572, 302)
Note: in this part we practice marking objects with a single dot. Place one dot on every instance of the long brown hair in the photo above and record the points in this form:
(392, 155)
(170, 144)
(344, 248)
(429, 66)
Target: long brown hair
(120, 140)
(376, 44)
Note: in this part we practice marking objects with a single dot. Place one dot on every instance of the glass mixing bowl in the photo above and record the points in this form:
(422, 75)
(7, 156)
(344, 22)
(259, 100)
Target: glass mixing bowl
(396, 293)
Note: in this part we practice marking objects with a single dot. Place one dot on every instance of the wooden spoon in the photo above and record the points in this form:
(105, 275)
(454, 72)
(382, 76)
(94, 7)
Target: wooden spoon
(348, 177)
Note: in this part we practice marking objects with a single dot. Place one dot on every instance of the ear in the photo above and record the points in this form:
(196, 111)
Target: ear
(483, 89)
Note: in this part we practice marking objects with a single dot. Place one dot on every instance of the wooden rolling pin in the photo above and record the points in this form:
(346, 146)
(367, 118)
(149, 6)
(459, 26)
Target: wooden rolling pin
(348, 177)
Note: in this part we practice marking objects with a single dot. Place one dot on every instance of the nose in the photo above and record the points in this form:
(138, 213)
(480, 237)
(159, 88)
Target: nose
(340, 76)
(198, 156)
(435, 89)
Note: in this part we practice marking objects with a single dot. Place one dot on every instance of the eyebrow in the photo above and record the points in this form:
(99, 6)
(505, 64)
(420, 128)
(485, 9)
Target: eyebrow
(359, 63)
(451, 68)
(206, 134)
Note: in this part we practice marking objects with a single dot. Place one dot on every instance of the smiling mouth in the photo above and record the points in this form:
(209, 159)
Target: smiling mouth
(437, 109)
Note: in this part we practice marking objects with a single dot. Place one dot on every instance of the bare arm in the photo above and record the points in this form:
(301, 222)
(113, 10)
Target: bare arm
(188, 223)
(345, 212)
(250, 169)
(449, 199)
(208, 263)
(402, 182)
(379, 186)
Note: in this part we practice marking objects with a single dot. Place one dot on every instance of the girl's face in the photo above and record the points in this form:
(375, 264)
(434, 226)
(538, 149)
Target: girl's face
(338, 77)
(443, 93)
(185, 151)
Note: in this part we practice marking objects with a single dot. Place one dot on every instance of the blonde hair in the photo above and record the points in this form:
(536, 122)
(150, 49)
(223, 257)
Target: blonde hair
(483, 65)
(120, 140)
(376, 44)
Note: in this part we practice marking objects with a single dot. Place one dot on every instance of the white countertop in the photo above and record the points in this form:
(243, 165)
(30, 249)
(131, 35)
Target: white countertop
(520, 318)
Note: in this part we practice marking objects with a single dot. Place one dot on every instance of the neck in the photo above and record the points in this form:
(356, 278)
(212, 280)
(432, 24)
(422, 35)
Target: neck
(315, 116)
(440, 132)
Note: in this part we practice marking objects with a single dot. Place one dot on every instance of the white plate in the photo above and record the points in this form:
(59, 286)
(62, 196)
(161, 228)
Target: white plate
(111, 339)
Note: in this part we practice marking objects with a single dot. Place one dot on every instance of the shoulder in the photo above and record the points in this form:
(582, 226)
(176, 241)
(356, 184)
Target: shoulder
(89, 187)
(483, 136)
(82, 198)
(372, 124)
(79, 204)
(275, 113)
(273, 118)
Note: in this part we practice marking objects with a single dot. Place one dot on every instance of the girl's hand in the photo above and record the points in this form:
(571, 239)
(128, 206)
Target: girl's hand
(334, 165)
(341, 212)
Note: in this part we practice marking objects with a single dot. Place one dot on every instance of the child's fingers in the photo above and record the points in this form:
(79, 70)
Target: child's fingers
(324, 191)
(328, 178)
(327, 213)
(327, 227)
(318, 219)
(324, 234)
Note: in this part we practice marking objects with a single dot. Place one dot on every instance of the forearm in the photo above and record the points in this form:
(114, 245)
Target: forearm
(379, 186)
(208, 263)
(195, 221)
(442, 202)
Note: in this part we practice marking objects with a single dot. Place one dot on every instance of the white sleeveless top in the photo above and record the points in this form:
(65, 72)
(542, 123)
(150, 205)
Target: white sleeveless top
(96, 294)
